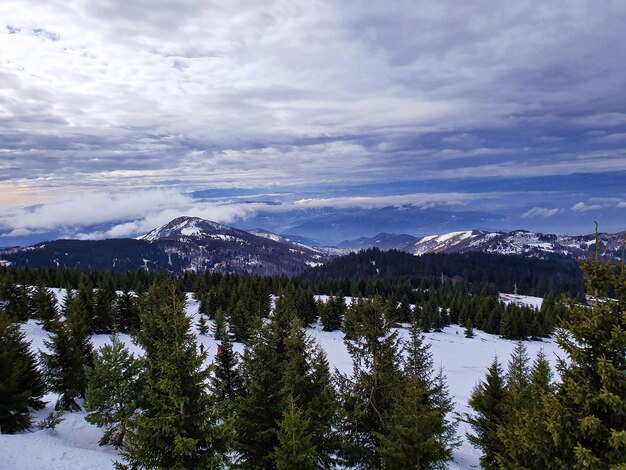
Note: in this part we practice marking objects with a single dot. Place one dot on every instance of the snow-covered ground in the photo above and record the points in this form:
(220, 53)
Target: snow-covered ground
(74, 443)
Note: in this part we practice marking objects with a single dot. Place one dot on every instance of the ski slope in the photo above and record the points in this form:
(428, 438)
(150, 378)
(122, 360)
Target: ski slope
(74, 443)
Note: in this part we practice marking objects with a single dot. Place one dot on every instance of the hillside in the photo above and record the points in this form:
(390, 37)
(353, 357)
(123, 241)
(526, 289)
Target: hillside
(185, 243)
(532, 276)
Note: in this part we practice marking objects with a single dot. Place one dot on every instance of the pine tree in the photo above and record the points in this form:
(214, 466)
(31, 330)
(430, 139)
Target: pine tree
(44, 307)
(524, 434)
(127, 312)
(332, 312)
(469, 329)
(203, 326)
(368, 393)
(295, 447)
(417, 432)
(178, 426)
(21, 384)
(85, 299)
(587, 415)
(70, 350)
(114, 390)
(104, 309)
(488, 401)
(226, 381)
(17, 304)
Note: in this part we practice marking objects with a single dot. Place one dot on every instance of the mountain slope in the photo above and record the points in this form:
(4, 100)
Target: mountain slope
(185, 243)
(519, 242)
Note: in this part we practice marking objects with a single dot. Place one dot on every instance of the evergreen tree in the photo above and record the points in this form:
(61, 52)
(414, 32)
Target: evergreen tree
(203, 326)
(85, 300)
(417, 432)
(127, 312)
(17, 303)
(587, 415)
(220, 327)
(488, 402)
(44, 307)
(226, 381)
(178, 426)
(21, 384)
(367, 395)
(295, 447)
(104, 309)
(114, 390)
(524, 434)
(332, 312)
(469, 329)
(70, 350)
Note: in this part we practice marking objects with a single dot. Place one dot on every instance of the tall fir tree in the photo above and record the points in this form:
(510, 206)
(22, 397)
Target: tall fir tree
(587, 415)
(104, 314)
(488, 403)
(70, 350)
(226, 381)
(295, 447)
(178, 427)
(418, 432)
(367, 395)
(44, 307)
(114, 390)
(127, 312)
(21, 384)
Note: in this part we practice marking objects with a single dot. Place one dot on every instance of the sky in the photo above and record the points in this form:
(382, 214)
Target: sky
(302, 117)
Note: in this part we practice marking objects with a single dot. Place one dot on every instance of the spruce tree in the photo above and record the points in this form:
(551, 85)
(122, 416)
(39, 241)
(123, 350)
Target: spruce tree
(469, 329)
(114, 390)
(367, 395)
(21, 384)
(332, 312)
(70, 350)
(226, 381)
(44, 307)
(17, 303)
(417, 432)
(104, 314)
(295, 447)
(587, 415)
(488, 402)
(178, 427)
(127, 312)
(202, 325)
(524, 433)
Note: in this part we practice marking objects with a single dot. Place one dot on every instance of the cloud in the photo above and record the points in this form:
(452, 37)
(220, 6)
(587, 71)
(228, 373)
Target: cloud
(621, 204)
(582, 207)
(127, 214)
(541, 212)
(96, 95)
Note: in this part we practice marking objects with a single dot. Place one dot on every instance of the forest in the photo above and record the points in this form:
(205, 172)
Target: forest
(278, 404)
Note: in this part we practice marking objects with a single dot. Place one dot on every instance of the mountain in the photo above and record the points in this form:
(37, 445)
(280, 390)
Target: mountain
(185, 243)
(519, 242)
(384, 241)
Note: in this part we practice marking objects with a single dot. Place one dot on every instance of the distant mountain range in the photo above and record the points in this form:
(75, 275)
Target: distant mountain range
(519, 242)
(191, 243)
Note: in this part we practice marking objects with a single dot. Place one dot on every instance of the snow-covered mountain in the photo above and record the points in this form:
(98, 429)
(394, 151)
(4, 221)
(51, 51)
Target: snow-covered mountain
(183, 244)
(519, 242)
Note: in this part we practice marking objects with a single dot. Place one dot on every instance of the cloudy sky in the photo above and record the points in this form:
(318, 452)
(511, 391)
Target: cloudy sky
(118, 115)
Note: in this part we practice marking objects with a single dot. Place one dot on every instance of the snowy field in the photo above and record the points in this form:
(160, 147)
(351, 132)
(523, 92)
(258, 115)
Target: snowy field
(74, 443)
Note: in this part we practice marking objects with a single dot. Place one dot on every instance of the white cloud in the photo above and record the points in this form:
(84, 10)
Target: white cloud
(621, 204)
(541, 212)
(128, 213)
(582, 207)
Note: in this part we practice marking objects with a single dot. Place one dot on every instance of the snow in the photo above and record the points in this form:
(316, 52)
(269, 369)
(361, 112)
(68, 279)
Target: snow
(522, 300)
(74, 443)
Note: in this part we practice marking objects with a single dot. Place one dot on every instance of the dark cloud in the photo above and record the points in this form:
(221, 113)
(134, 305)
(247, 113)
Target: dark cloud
(194, 94)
